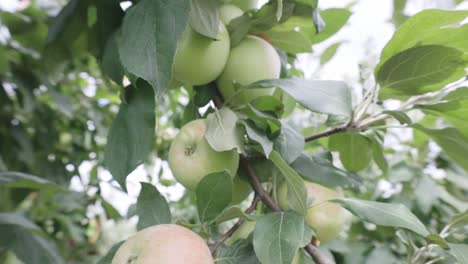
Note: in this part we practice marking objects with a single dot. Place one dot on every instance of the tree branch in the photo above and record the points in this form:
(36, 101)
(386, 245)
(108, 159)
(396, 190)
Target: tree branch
(311, 248)
(328, 133)
(236, 226)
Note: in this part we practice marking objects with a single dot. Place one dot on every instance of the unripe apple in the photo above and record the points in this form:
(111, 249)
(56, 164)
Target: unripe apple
(326, 218)
(164, 244)
(229, 12)
(252, 60)
(245, 4)
(200, 60)
(191, 157)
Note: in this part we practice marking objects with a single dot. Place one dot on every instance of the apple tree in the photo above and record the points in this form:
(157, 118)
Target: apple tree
(275, 167)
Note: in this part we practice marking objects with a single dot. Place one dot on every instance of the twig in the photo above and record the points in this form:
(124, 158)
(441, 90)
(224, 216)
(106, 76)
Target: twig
(236, 226)
(311, 248)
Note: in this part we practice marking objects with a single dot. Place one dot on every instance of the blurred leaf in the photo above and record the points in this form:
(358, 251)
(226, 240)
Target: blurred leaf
(328, 53)
(111, 212)
(150, 55)
(421, 69)
(17, 219)
(214, 194)
(385, 214)
(232, 212)
(190, 113)
(23, 180)
(328, 97)
(460, 252)
(378, 154)
(240, 252)
(437, 239)
(324, 173)
(152, 208)
(223, 133)
(382, 255)
(297, 194)
(355, 150)
(290, 41)
(204, 17)
(107, 259)
(131, 136)
(402, 117)
(290, 143)
(285, 233)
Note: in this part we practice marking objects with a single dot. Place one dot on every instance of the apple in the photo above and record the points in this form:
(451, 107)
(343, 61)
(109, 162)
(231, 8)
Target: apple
(229, 12)
(191, 157)
(245, 4)
(326, 218)
(198, 59)
(242, 232)
(252, 60)
(164, 244)
(240, 190)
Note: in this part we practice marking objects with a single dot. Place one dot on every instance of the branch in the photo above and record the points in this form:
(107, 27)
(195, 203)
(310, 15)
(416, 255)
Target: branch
(236, 226)
(328, 133)
(311, 248)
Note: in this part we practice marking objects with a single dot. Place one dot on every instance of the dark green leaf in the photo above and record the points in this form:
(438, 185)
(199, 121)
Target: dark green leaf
(23, 180)
(131, 136)
(402, 117)
(214, 194)
(240, 252)
(111, 64)
(17, 219)
(258, 136)
(152, 208)
(378, 154)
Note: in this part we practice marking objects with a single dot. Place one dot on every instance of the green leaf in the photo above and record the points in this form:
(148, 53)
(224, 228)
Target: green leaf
(437, 239)
(311, 3)
(402, 117)
(111, 64)
(204, 17)
(297, 194)
(420, 69)
(152, 29)
(214, 194)
(151, 208)
(355, 150)
(107, 259)
(278, 236)
(378, 154)
(328, 97)
(385, 214)
(23, 180)
(290, 41)
(260, 137)
(430, 26)
(460, 252)
(232, 212)
(131, 135)
(454, 144)
(290, 143)
(223, 133)
(64, 19)
(17, 219)
(324, 173)
(240, 252)
(328, 53)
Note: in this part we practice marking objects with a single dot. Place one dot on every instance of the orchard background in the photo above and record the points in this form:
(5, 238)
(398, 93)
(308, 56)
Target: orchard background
(370, 102)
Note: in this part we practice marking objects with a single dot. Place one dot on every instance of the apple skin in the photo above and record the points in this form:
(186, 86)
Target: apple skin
(228, 12)
(252, 60)
(245, 4)
(164, 244)
(191, 157)
(198, 59)
(326, 218)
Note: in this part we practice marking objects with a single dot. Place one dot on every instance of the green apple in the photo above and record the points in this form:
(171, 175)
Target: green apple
(242, 233)
(240, 190)
(326, 218)
(164, 244)
(229, 12)
(198, 59)
(245, 4)
(252, 60)
(191, 157)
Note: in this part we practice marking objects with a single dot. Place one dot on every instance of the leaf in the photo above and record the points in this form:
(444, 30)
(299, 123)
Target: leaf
(278, 236)
(17, 219)
(290, 41)
(131, 135)
(23, 180)
(355, 150)
(437, 239)
(328, 53)
(402, 117)
(111, 64)
(290, 143)
(378, 154)
(214, 194)
(328, 97)
(420, 69)
(460, 252)
(204, 17)
(107, 259)
(297, 194)
(454, 144)
(430, 26)
(223, 133)
(258, 136)
(151, 208)
(240, 252)
(324, 173)
(152, 29)
(62, 20)
(384, 214)
(232, 212)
